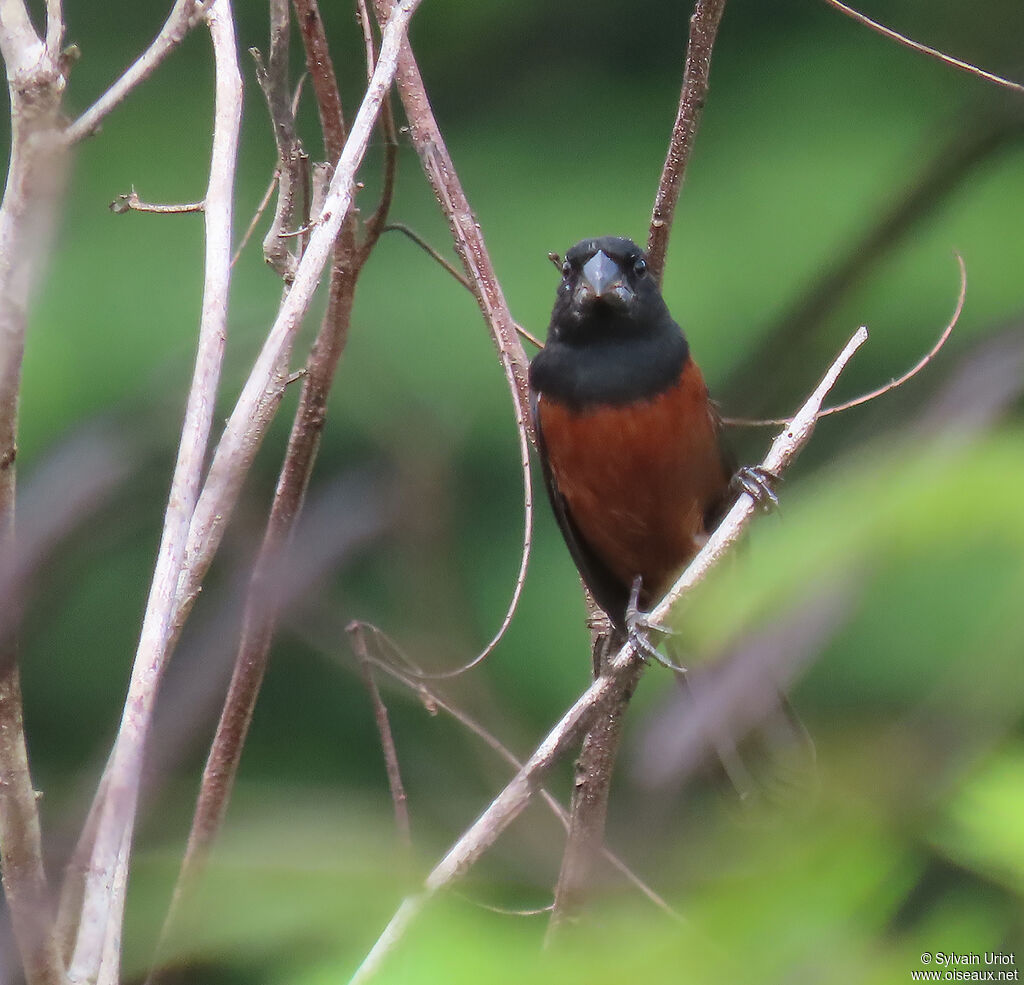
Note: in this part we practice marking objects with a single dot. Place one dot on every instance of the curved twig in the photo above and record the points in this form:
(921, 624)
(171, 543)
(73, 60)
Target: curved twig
(902, 39)
(882, 390)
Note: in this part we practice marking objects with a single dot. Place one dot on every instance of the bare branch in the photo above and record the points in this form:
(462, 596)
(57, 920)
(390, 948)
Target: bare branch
(511, 801)
(34, 189)
(893, 384)
(241, 439)
(923, 48)
(132, 203)
(703, 29)
(184, 15)
(318, 58)
(21, 47)
(102, 905)
(411, 677)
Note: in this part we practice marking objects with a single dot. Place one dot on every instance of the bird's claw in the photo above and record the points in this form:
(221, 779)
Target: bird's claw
(639, 628)
(758, 483)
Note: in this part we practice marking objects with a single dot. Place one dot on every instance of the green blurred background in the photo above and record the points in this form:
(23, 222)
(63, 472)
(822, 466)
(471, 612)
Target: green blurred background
(902, 521)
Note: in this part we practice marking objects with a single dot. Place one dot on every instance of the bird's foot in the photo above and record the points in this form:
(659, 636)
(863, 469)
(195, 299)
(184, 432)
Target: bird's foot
(639, 627)
(759, 483)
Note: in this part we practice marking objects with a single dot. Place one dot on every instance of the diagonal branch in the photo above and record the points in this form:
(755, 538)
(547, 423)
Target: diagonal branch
(513, 799)
(703, 30)
(184, 15)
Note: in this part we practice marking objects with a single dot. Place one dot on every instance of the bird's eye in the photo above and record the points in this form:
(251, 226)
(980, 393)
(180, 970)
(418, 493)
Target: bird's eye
(640, 267)
(566, 268)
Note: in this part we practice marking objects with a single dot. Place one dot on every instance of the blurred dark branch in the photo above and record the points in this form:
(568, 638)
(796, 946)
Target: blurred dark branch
(888, 32)
(184, 15)
(321, 71)
(894, 384)
(32, 196)
(703, 29)
(357, 633)
(785, 341)
(507, 806)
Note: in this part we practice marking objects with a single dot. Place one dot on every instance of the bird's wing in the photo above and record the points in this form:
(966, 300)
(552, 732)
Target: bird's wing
(608, 591)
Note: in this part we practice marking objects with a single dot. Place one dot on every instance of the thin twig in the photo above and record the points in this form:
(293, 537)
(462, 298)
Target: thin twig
(408, 231)
(375, 224)
(469, 244)
(103, 900)
(357, 634)
(260, 209)
(517, 794)
(902, 39)
(893, 384)
(411, 677)
(703, 29)
(132, 203)
(184, 15)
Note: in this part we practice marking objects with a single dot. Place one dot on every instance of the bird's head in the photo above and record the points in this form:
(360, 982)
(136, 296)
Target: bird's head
(606, 292)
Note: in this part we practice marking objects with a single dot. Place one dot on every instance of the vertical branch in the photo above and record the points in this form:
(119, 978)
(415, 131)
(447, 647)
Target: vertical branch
(703, 29)
(595, 766)
(588, 808)
(35, 184)
(103, 898)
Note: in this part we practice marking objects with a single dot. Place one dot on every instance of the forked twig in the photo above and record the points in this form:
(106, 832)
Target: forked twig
(902, 39)
(184, 15)
(518, 793)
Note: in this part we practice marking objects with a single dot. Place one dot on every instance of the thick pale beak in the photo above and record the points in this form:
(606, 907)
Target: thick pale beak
(603, 279)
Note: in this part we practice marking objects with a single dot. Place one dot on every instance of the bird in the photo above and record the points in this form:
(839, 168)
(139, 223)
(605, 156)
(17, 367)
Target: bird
(629, 439)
